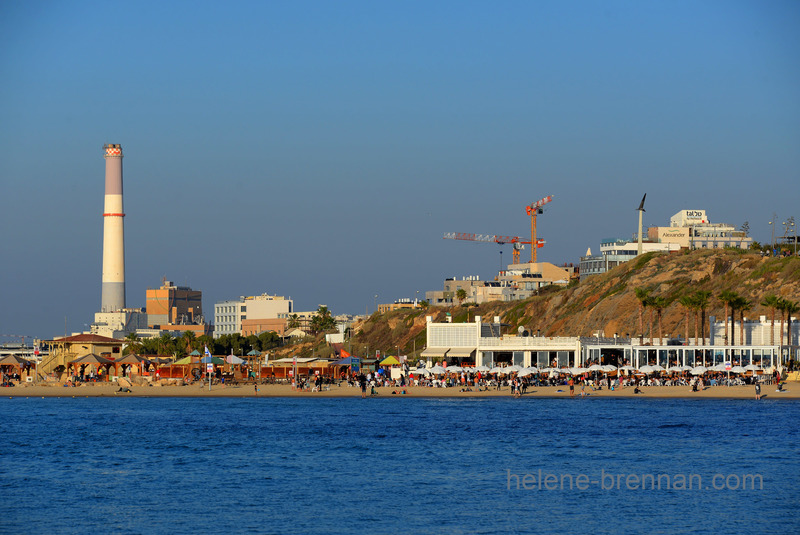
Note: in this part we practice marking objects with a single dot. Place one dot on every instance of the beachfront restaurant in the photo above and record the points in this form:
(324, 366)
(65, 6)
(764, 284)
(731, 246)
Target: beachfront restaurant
(475, 344)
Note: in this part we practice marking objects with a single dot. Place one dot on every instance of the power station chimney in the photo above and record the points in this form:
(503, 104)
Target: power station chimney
(113, 295)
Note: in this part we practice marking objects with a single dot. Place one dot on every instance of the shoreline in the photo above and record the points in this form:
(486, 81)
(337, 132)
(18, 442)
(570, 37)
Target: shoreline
(790, 391)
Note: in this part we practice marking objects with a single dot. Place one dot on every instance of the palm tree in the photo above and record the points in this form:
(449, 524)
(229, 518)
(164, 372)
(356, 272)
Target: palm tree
(742, 305)
(702, 298)
(688, 303)
(134, 344)
(293, 322)
(790, 307)
(771, 301)
(727, 297)
(461, 294)
(643, 296)
(659, 304)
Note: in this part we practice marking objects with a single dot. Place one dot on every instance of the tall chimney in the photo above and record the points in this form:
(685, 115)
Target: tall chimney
(113, 295)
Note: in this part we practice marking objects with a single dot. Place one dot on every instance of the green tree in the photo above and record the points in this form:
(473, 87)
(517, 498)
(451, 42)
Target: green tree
(771, 301)
(461, 294)
(322, 320)
(688, 304)
(789, 308)
(658, 304)
(702, 300)
(644, 299)
(742, 305)
(727, 297)
(293, 322)
(134, 344)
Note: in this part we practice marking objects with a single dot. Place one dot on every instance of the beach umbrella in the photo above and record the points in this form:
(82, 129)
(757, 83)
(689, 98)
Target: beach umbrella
(497, 369)
(675, 369)
(595, 368)
(609, 368)
(482, 368)
(719, 367)
(628, 368)
(421, 371)
(738, 369)
(525, 372)
(233, 359)
(454, 369)
(698, 370)
(648, 369)
(514, 368)
(752, 367)
(437, 370)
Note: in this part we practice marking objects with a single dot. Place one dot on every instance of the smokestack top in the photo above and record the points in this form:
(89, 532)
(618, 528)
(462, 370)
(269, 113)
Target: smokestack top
(112, 150)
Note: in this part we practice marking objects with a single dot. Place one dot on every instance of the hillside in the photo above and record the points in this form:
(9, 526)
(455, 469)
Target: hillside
(604, 303)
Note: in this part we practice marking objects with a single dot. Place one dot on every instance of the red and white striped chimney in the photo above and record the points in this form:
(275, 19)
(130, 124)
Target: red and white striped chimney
(113, 294)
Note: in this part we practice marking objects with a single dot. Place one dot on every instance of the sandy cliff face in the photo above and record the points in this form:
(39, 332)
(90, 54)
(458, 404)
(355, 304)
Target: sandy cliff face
(607, 303)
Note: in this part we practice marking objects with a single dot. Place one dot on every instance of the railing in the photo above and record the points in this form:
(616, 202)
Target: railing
(531, 342)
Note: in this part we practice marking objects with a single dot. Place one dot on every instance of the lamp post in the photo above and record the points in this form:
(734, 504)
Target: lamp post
(376, 302)
(789, 224)
(772, 224)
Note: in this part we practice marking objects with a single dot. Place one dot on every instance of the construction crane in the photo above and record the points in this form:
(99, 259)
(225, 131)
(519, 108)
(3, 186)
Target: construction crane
(533, 210)
(517, 241)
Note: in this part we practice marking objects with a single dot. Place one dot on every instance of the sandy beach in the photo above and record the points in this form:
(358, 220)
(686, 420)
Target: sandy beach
(791, 390)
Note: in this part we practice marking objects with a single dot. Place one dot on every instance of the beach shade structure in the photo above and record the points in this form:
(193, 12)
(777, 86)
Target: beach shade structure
(91, 359)
(648, 369)
(527, 371)
(595, 368)
(577, 370)
(389, 361)
(738, 369)
(482, 368)
(608, 368)
(514, 368)
(130, 358)
(627, 369)
(752, 367)
(675, 369)
(195, 353)
(454, 369)
(497, 369)
(212, 360)
(420, 371)
(698, 370)
(719, 367)
(233, 359)
(13, 360)
(437, 370)
(253, 353)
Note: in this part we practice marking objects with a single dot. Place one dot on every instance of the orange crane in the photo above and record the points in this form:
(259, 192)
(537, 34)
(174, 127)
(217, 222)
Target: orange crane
(533, 210)
(517, 241)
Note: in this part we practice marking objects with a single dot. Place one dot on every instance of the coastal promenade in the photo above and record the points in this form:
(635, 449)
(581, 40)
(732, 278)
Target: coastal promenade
(791, 390)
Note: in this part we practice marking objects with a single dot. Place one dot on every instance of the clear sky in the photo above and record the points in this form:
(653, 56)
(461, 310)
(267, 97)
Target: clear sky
(319, 150)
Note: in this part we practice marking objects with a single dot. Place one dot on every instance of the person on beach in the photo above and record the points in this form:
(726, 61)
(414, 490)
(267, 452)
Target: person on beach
(571, 383)
(758, 391)
(256, 387)
(363, 382)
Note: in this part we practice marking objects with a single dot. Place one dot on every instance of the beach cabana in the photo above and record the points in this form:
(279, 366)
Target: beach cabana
(129, 359)
(390, 361)
(94, 360)
(13, 361)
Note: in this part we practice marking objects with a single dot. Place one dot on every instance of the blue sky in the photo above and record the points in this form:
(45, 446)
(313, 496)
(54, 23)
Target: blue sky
(319, 150)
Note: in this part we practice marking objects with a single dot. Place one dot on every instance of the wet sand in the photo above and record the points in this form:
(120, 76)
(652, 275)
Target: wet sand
(791, 390)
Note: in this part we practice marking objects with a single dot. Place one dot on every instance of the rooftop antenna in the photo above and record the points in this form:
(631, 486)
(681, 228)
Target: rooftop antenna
(639, 237)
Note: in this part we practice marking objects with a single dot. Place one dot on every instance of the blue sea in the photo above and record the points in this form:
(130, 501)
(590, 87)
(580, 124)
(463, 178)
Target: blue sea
(400, 465)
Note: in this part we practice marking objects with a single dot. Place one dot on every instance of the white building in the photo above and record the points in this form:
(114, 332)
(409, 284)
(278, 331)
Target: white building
(230, 315)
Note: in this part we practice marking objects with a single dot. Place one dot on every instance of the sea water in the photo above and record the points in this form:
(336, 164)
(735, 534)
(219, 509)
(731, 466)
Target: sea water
(400, 465)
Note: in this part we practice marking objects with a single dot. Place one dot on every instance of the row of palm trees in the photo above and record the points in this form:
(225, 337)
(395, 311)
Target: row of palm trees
(698, 301)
